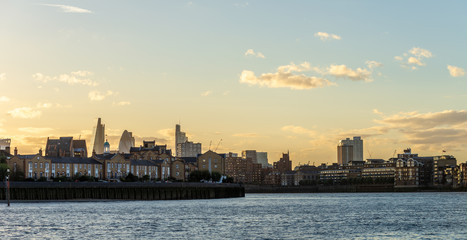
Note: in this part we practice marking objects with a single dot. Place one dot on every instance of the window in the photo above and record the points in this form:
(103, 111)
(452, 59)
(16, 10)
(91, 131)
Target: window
(35, 165)
(176, 166)
(41, 165)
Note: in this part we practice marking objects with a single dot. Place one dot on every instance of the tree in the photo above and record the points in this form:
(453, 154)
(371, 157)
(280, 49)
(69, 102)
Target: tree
(3, 170)
(197, 176)
(17, 176)
(130, 178)
(215, 176)
(145, 178)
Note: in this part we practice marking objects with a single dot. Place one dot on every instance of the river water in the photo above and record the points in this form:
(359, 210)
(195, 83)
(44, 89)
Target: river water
(257, 216)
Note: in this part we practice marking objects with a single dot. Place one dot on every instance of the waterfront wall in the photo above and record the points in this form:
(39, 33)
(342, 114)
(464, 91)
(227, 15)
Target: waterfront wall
(345, 188)
(48, 191)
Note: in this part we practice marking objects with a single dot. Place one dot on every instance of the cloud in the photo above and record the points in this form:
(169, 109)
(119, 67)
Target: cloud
(241, 5)
(98, 96)
(44, 105)
(376, 111)
(285, 77)
(246, 135)
(284, 80)
(342, 71)
(4, 99)
(2, 76)
(122, 103)
(251, 52)
(35, 130)
(456, 71)
(292, 67)
(415, 120)
(324, 36)
(24, 112)
(77, 77)
(373, 64)
(68, 9)
(207, 93)
(414, 58)
(426, 131)
(298, 130)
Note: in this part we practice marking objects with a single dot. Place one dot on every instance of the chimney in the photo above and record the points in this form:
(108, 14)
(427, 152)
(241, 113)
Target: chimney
(16, 151)
(40, 151)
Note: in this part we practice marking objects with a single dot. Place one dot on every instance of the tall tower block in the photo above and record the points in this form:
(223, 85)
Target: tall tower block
(99, 138)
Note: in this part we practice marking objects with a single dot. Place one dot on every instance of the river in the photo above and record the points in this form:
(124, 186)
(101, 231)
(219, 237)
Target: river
(257, 216)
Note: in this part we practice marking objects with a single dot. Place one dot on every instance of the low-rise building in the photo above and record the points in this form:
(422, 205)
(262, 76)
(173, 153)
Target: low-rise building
(407, 173)
(212, 162)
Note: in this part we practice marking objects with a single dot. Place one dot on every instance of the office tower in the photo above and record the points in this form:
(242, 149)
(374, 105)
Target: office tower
(99, 138)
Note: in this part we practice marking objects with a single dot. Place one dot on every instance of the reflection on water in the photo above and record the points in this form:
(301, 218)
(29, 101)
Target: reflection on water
(257, 216)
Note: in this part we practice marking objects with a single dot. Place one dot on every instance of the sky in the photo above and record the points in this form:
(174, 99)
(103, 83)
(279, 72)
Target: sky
(274, 76)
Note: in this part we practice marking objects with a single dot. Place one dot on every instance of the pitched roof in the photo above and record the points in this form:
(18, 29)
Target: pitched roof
(105, 156)
(73, 160)
(189, 159)
(79, 143)
(26, 156)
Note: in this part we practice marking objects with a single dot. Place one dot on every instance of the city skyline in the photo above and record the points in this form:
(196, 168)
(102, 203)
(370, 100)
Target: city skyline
(239, 71)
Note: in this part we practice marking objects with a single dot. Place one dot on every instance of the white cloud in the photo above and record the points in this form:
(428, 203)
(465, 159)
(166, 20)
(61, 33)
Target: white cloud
(251, 52)
(78, 77)
(2, 76)
(24, 112)
(68, 9)
(35, 130)
(376, 111)
(245, 135)
(241, 5)
(284, 76)
(292, 67)
(456, 71)
(44, 105)
(298, 130)
(345, 72)
(122, 103)
(414, 58)
(324, 36)
(373, 64)
(98, 96)
(4, 99)
(284, 80)
(207, 93)
(430, 131)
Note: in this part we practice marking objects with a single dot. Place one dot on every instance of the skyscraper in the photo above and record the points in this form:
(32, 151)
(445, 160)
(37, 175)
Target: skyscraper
(127, 141)
(350, 150)
(99, 138)
(183, 147)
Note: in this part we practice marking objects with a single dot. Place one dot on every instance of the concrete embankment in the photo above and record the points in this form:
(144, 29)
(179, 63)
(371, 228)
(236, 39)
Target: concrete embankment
(50, 191)
(318, 189)
(347, 188)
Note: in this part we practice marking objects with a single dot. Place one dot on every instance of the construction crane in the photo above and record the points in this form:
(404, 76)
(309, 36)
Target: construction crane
(218, 145)
(394, 154)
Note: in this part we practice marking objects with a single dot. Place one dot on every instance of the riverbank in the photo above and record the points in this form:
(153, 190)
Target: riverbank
(344, 188)
(83, 191)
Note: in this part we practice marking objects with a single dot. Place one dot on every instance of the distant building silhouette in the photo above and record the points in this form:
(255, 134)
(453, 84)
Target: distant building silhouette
(66, 147)
(127, 141)
(99, 138)
(185, 148)
(350, 150)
